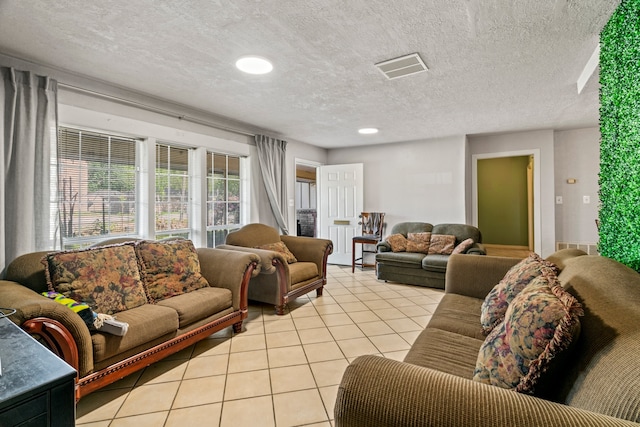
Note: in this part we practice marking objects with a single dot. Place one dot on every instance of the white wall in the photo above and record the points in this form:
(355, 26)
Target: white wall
(412, 181)
(577, 156)
(541, 140)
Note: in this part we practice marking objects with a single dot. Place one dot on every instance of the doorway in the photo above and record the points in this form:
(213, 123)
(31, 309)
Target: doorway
(505, 201)
(306, 199)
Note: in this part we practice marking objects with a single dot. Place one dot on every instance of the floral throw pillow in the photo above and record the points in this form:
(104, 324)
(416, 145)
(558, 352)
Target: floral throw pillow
(169, 268)
(397, 242)
(418, 242)
(106, 278)
(463, 246)
(442, 244)
(540, 323)
(520, 275)
(281, 248)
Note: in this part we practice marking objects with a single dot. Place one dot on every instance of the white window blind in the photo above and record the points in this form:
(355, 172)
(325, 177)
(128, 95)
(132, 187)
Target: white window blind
(96, 186)
(172, 191)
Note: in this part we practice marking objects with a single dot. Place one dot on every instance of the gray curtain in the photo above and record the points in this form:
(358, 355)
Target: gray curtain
(272, 158)
(28, 107)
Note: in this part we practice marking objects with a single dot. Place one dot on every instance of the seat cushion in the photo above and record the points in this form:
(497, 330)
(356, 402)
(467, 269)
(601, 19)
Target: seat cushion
(401, 259)
(435, 262)
(197, 305)
(445, 351)
(302, 271)
(146, 323)
(459, 314)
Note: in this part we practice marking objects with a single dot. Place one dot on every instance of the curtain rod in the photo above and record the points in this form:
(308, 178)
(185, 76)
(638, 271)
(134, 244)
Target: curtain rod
(154, 109)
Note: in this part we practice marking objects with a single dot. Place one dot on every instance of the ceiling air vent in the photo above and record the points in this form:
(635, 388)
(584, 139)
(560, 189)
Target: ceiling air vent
(403, 66)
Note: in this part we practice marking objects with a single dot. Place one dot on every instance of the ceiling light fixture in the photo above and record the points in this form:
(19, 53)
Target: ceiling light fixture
(367, 131)
(254, 65)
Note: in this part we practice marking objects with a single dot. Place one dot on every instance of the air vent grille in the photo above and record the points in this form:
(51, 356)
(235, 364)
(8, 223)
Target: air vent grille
(403, 66)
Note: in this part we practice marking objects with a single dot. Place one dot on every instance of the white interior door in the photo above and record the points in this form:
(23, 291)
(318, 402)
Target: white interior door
(340, 193)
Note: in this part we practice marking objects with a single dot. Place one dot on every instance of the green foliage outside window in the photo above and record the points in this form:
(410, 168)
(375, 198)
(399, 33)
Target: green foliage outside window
(620, 136)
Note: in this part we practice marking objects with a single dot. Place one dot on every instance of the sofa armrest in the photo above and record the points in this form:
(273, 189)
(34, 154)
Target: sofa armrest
(310, 249)
(376, 391)
(268, 259)
(475, 276)
(476, 249)
(383, 247)
(229, 269)
(36, 313)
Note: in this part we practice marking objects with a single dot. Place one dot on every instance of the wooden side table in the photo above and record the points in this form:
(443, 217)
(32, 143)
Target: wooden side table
(36, 387)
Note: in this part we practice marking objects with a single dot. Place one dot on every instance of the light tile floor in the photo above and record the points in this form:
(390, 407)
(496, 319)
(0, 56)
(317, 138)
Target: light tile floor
(281, 370)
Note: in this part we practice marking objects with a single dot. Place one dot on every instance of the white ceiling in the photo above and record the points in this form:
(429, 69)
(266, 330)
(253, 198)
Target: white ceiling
(494, 65)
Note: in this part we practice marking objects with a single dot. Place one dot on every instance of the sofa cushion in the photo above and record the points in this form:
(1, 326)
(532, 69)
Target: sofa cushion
(397, 242)
(197, 305)
(520, 275)
(458, 314)
(401, 259)
(301, 271)
(281, 248)
(462, 246)
(445, 351)
(442, 244)
(146, 323)
(106, 278)
(418, 242)
(169, 268)
(435, 262)
(540, 322)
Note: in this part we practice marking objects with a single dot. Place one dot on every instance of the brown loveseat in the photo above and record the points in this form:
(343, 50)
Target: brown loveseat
(156, 329)
(282, 278)
(599, 385)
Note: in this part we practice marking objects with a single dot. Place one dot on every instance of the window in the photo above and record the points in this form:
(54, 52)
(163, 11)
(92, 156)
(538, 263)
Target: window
(109, 185)
(96, 186)
(223, 196)
(172, 192)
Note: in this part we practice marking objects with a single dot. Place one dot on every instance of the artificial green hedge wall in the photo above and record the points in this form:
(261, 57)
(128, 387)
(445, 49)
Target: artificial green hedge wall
(620, 132)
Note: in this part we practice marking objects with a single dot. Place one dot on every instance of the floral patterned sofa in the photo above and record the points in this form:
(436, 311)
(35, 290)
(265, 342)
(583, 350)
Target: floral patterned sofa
(542, 363)
(168, 293)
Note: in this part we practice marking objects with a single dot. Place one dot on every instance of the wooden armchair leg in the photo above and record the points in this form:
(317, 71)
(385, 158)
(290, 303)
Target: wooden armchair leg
(280, 309)
(237, 327)
(319, 291)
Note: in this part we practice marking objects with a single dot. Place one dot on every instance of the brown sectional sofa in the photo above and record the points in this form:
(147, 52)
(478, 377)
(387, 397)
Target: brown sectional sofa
(599, 385)
(155, 330)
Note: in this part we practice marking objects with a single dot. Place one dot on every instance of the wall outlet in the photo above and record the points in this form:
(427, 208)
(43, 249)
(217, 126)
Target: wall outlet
(558, 200)
(586, 200)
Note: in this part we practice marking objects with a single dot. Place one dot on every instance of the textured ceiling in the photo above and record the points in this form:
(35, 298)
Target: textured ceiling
(494, 65)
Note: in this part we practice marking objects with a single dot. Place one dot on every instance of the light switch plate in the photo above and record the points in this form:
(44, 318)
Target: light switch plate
(586, 199)
(558, 200)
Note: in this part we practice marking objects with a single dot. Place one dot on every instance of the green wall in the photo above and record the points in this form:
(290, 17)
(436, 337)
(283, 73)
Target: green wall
(502, 200)
(620, 132)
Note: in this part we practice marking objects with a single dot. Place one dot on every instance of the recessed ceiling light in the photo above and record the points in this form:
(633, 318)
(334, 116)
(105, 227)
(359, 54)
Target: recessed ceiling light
(254, 65)
(368, 131)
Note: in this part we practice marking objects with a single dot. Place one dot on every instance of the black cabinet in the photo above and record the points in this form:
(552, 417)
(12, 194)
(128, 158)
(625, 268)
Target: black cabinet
(36, 387)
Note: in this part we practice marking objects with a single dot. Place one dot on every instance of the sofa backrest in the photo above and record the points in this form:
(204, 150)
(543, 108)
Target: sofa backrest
(411, 227)
(461, 231)
(252, 235)
(603, 373)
